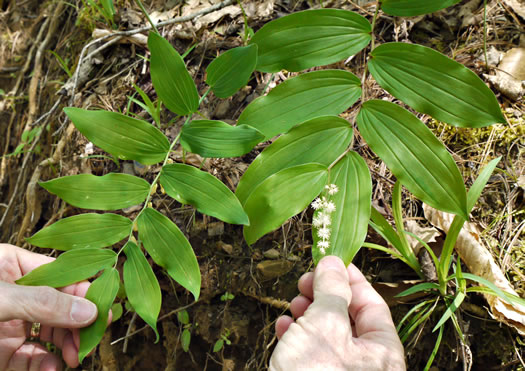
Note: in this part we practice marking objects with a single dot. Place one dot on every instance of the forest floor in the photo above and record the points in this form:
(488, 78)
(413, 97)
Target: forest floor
(245, 288)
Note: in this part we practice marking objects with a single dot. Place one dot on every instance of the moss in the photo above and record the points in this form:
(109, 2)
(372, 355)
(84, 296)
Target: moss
(503, 135)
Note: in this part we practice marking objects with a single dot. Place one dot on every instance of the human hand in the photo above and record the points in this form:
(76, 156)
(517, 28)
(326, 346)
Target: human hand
(60, 313)
(341, 323)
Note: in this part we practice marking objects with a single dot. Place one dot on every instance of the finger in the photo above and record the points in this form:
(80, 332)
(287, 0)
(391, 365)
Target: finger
(78, 289)
(282, 325)
(368, 309)
(331, 283)
(70, 351)
(46, 334)
(58, 336)
(76, 337)
(28, 260)
(332, 295)
(45, 305)
(299, 305)
(51, 363)
(35, 357)
(306, 285)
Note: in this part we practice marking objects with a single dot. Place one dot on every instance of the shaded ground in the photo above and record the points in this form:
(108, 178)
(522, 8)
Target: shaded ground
(261, 279)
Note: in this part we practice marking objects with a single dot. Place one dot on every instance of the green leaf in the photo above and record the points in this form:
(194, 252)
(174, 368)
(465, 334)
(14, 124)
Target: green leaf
(82, 231)
(301, 98)
(426, 304)
(231, 70)
(185, 340)
(116, 310)
(321, 140)
(70, 267)
(435, 350)
(168, 247)
(108, 7)
(481, 181)
(414, 155)
(218, 345)
(310, 38)
(411, 8)
(418, 288)
(397, 212)
(508, 297)
(148, 105)
(102, 292)
(353, 200)
(141, 285)
(383, 227)
(218, 139)
(122, 136)
(458, 299)
(281, 196)
(457, 223)
(183, 317)
(210, 196)
(169, 76)
(432, 83)
(109, 192)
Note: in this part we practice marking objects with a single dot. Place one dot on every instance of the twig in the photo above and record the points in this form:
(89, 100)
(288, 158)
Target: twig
(26, 159)
(120, 34)
(14, 91)
(160, 319)
(131, 323)
(37, 70)
(31, 198)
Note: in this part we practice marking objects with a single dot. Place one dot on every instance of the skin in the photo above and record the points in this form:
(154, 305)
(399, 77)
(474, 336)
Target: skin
(60, 312)
(341, 323)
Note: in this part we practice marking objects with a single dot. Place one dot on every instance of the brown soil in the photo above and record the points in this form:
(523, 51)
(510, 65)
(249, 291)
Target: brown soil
(262, 278)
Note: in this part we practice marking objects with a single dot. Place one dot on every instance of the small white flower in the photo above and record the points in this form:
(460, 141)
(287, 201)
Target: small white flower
(323, 244)
(329, 207)
(317, 222)
(322, 250)
(324, 233)
(332, 189)
(325, 219)
(317, 204)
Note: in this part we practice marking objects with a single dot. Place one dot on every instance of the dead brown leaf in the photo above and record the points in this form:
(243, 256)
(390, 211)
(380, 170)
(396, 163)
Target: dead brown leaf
(426, 234)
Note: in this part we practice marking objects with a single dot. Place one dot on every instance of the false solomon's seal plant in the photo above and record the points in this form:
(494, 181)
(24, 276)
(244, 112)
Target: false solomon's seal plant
(311, 160)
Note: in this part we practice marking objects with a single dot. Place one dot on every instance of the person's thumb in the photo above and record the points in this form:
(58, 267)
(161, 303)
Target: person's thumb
(332, 294)
(45, 305)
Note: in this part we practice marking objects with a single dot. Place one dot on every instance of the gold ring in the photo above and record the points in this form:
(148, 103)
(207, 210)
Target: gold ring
(35, 330)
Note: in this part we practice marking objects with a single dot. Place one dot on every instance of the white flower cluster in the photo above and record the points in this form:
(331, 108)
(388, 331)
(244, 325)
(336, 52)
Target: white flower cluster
(322, 219)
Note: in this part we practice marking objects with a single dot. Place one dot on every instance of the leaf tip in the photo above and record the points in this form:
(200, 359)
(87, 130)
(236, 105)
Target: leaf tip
(156, 333)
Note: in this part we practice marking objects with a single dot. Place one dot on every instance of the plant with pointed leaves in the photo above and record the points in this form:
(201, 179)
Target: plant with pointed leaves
(313, 153)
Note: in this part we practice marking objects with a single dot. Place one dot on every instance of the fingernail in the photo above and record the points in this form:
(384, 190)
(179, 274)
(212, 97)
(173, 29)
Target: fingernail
(83, 310)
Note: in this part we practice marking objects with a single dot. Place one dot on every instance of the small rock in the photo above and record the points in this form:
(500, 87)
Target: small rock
(293, 258)
(221, 111)
(226, 247)
(257, 255)
(139, 168)
(228, 365)
(215, 229)
(271, 254)
(270, 269)
(132, 209)
(127, 168)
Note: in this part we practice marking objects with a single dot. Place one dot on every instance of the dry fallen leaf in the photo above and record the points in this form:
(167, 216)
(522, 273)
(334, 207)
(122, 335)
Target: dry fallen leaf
(517, 6)
(426, 234)
(138, 39)
(510, 74)
(480, 262)
(513, 63)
